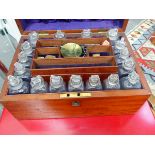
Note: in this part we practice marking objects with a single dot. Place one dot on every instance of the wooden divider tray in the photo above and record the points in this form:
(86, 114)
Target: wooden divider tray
(74, 104)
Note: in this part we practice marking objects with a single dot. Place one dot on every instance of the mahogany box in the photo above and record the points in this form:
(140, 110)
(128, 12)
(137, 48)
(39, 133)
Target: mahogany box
(73, 104)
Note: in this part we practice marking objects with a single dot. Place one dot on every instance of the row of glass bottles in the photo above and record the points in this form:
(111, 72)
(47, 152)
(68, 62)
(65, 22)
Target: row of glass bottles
(19, 83)
(123, 59)
(22, 67)
(86, 33)
(128, 77)
(27, 48)
(38, 85)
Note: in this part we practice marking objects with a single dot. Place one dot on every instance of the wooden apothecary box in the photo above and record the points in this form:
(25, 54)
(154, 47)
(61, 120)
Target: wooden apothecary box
(80, 104)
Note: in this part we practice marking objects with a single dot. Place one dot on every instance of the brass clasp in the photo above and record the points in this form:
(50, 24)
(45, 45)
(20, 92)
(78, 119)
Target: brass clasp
(74, 95)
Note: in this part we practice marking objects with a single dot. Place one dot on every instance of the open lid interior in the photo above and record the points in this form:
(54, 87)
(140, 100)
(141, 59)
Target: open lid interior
(26, 25)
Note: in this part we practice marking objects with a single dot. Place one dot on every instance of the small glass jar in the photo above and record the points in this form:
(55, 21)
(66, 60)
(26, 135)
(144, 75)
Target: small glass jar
(38, 85)
(132, 81)
(93, 83)
(33, 37)
(17, 86)
(113, 35)
(75, 83)
(22, 72)
(128, 65)
(27, 49)
(124, 54)
(57, 84)
(112, 82)
(24, 59)
(86, 33)
(59, 34)
(119, 46)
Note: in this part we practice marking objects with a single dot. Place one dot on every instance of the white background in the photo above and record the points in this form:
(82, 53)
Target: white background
(77, 145)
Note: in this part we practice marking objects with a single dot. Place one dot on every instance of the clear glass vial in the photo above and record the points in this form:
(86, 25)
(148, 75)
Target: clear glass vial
(132, 81)
(33, 37)
(17, 86)
(57, 84)
(94, 83)
(27, 49)
(75, 83)
(38, 85)
(124, 54)
(127, 66)
(59, 34)
(24, 60)
(86, 33)
(119, 45)
(112, 82)
(21, 71)
(113, 35)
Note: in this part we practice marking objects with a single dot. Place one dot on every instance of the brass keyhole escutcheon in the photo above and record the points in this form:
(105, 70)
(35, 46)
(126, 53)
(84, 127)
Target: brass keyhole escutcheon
(75, 103)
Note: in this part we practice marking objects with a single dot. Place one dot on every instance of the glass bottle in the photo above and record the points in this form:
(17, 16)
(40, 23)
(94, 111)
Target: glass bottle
(132, 81)
(17, 86)
(59, 34)
(94, 83)
(27, 49)
(119, 45)
(86, 33)
(113, 35)
(57, 84)
(127, 66)
(21, 71)
(75, 83)
(112, 82)
(38, 85)
(124, 54)
(33, 37)
(24, 60)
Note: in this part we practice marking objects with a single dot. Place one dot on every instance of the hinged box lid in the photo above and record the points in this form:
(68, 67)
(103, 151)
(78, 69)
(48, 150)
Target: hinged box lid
(73, 25)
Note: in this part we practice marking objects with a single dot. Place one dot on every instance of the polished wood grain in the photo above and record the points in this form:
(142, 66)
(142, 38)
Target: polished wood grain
(75, 70)
(59, 42)
(79, 60)
(62, 108)
(47, 51)
(3, 68)
(125, 23)
(152, 39)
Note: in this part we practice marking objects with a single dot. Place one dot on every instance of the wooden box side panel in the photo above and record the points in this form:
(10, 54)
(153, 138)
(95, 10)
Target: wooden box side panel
(62, 108)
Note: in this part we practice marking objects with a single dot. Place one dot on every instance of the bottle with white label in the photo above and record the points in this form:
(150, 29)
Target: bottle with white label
(86, 33)
(32, 38)
(21, 71)
(93, 83)
(132, 81)
(38, 85)
(27, 49)
(57, 84)
(17, 86)
(24, 60)
(75, 83)
(112, 82)
(128, 65)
